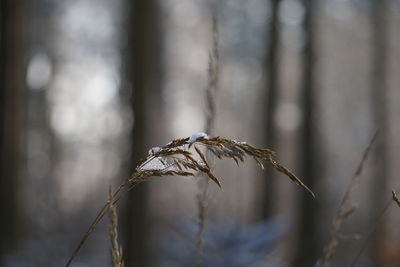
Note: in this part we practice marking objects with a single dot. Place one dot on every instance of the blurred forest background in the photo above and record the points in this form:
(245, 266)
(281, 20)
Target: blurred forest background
(88, 86)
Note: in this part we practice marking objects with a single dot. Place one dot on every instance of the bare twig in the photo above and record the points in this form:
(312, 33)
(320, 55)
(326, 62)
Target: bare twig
(342, 212)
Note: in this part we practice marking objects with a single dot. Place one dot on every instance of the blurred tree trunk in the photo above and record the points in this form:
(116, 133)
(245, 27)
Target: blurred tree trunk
(144, 73)
(272, 72)
(308, 245)
(12, 82)
(379, 108)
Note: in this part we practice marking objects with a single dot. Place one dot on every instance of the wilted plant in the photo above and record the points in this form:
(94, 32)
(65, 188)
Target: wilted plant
(184, 157)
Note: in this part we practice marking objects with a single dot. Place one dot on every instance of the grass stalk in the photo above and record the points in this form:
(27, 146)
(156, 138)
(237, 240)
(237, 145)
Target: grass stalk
(116, 249)
(211, 90)
(343, 212)
(375, 227)
(183, 157)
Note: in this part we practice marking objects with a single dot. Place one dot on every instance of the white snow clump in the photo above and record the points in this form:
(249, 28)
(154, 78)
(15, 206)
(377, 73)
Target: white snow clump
(194, 137)
(154, 150)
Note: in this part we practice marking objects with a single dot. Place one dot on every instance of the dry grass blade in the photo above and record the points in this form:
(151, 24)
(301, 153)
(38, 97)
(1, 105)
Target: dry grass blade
(116, 249)
(177, 159)
(201, 155)
(289, 174)
(342, 214)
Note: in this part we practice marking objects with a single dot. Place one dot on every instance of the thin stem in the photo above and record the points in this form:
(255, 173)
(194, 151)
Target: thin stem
(341, 215)
(116, 197)
(213, 73)
(373, 231)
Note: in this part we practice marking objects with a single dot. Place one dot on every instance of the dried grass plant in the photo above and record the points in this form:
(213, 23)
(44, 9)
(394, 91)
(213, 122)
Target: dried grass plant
(116, 249)
(211, 91)
(185, 157)
(344, 212)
